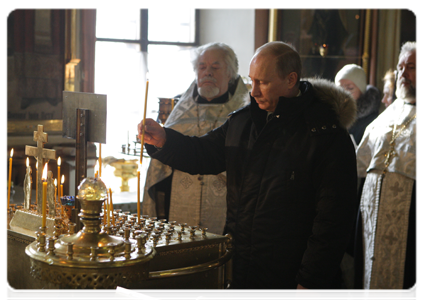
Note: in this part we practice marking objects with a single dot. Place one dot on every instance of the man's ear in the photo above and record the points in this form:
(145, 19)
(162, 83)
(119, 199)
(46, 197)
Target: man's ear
(292, 79)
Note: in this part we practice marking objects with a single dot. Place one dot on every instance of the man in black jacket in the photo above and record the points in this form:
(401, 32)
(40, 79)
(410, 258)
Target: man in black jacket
(291, 173)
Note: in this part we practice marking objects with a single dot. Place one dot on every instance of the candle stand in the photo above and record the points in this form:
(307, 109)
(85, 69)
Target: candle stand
(125, 169)
(90, 258)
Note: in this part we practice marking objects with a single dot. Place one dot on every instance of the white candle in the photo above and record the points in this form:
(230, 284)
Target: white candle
(44, 178)
(28, 171)
(59, 161)
(61, 185)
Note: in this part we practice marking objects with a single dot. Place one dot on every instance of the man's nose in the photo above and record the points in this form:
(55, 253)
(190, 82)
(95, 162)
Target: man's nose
(385, 99)
(403, 73)
(255, 91)
(209, 71)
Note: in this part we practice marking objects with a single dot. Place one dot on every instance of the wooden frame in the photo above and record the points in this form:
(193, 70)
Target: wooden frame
(75, 46)
(144, 40)
(325, 39)
(367, 43)
(35, 66)
(261, 29)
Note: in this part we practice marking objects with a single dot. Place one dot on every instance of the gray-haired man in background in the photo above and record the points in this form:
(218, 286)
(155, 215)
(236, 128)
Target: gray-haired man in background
(198, 200)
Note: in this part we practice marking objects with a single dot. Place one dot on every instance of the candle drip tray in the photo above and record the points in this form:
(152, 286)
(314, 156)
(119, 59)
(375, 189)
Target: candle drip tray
(28, 222)
(92, 257)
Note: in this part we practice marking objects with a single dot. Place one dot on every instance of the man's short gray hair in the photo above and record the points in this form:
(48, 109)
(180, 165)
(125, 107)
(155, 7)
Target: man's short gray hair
(287, 59)
(407, 47)
(230, 58)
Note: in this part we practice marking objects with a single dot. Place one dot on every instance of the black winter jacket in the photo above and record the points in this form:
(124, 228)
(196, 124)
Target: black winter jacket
(291, 185)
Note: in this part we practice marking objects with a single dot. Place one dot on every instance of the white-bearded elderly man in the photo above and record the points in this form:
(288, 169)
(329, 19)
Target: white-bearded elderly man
(198, 200)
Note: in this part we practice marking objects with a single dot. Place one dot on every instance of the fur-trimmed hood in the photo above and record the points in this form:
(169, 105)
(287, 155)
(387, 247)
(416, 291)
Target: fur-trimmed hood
(341, 101)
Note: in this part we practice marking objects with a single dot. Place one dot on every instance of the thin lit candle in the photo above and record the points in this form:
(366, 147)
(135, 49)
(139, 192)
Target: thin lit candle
(44, 178)
(138, 195)
(57, 184)
(111, 207)
(59, 162)
(143, 120)
(10, 177)
(61, 185)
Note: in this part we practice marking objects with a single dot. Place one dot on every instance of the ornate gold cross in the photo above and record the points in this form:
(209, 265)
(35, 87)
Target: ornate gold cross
(389, 156)
(40, 155)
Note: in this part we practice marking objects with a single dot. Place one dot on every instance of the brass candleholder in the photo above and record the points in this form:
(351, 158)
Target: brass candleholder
(91, 258)
(125, 169)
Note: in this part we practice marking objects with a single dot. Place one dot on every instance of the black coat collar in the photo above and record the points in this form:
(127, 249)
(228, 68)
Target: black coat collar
(287, 108)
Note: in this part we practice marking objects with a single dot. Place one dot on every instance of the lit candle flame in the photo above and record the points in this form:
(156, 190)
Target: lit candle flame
(44, 177)
(59, 161)
(55, 182)
(63, 179)
(11, 153)
(27, 162)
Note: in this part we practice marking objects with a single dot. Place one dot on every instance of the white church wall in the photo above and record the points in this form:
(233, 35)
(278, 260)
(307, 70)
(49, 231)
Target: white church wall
(234, 27)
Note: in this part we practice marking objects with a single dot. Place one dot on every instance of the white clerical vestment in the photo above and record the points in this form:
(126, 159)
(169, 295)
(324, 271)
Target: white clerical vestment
(385, 202)
(195, 200)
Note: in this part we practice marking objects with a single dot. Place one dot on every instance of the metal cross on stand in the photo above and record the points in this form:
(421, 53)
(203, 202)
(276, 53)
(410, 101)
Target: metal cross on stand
(84, 119)
(40, 155)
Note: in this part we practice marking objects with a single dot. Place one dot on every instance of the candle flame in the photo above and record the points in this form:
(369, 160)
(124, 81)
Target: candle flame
(11, 153)
(44, 177)
(55, 181)
(63, 179)
(59, 161)
(27, 162)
